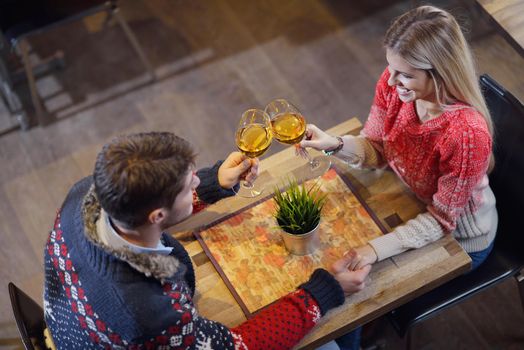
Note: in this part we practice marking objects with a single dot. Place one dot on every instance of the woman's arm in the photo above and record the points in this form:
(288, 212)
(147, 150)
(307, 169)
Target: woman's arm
(464, 161)
(416, 233)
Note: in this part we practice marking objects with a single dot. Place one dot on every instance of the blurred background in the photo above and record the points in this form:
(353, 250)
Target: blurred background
(212, 60)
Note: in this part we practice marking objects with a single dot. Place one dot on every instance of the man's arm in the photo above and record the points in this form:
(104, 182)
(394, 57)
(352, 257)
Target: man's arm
(218, 181)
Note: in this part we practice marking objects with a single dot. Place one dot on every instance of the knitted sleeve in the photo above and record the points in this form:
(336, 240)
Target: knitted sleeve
(209, 190)
(280, 326)
(367, 150)
(464, 161)
(416, 233)
(286, 322)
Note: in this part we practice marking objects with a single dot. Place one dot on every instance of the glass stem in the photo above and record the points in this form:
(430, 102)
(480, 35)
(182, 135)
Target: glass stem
(247, 184)
(312, 163)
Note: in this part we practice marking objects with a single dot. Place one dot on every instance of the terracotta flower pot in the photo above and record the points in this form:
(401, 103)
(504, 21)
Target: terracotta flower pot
(302, 244)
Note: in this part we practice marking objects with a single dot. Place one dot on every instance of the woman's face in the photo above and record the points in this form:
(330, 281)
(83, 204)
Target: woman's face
(411, 83)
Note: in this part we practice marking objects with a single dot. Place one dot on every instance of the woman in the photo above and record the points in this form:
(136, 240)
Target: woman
(430, 124)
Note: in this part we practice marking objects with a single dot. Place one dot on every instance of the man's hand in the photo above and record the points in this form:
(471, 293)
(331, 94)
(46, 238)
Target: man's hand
(351, 281)
(362, 256)
(236, 167)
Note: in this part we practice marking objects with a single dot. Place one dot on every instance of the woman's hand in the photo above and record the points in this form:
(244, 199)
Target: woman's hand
(236, 167)
(350, 280)
(318, 139)
(362, 256)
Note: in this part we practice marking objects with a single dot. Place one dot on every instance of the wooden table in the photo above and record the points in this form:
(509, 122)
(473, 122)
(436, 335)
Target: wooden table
(392, 282)
(508, 16)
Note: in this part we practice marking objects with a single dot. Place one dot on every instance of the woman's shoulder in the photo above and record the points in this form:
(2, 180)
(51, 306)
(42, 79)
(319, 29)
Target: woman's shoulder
(466, 128)
(463, 117)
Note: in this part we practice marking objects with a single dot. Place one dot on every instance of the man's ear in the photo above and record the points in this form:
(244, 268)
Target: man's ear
(157, 216)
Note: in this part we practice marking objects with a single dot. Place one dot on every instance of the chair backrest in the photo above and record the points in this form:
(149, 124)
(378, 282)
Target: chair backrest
(507, 178)
(29, 317)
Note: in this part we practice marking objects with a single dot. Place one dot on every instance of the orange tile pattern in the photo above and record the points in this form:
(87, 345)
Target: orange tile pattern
(249, 250)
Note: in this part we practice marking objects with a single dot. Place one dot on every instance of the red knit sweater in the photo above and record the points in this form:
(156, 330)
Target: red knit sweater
(442, 160)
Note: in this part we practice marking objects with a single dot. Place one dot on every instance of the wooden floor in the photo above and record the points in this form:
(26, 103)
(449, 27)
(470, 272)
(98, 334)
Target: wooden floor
(215, 59)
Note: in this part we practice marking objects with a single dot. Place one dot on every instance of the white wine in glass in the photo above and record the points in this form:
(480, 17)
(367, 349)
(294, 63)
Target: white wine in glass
(253, 138)
(289, 127)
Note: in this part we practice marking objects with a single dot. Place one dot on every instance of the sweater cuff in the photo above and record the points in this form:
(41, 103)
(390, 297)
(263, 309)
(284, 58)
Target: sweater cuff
(209, 189)
(325, 289)
(387, 245)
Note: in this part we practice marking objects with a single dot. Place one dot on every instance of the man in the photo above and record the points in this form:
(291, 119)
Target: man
(114, 279)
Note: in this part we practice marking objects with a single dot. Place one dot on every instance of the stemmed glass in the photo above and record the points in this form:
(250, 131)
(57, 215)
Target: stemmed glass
(289, 127)
(253, 138)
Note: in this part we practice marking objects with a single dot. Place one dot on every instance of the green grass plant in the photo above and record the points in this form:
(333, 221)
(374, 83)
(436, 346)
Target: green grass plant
(298, 208)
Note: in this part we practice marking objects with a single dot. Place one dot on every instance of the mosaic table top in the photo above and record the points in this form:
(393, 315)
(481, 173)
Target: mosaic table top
(248, 252)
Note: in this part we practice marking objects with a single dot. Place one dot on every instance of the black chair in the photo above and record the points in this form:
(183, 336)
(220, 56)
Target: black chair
(20, 19)
(506, 259)
(29, 318)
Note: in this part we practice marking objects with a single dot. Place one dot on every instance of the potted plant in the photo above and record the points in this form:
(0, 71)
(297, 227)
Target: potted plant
(297, 212)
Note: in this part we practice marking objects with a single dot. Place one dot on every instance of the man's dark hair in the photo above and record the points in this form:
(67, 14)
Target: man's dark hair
(136, 174)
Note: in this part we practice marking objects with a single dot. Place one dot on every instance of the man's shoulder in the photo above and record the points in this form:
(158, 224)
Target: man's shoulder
(71, 207)
(81, 187)
(78, 191)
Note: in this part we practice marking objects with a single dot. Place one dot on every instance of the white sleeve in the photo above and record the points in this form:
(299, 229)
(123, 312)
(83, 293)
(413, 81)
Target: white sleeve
(416, 233)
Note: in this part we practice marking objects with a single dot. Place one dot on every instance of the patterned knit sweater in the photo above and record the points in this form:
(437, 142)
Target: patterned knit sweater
(443, 160)
(97, 297)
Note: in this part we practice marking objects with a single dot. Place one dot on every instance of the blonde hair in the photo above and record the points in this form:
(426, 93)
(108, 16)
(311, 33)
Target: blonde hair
(429, 38)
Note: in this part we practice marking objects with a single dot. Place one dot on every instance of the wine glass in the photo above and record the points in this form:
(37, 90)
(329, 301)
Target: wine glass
(289, 127)
(253, 138)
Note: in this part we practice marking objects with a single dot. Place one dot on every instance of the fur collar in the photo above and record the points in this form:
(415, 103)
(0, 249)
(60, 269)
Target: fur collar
(158, 266)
